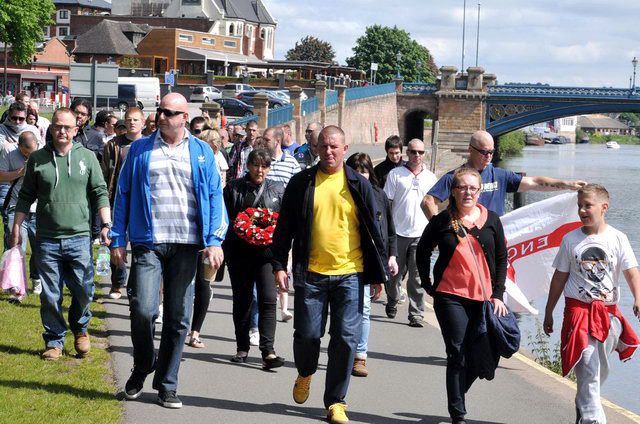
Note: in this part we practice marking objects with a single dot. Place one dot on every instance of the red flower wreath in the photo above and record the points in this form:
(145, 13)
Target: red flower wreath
(256, 225)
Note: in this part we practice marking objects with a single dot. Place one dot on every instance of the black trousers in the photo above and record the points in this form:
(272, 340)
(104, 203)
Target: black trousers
(202, 297)
(245, 270)
(455, 315)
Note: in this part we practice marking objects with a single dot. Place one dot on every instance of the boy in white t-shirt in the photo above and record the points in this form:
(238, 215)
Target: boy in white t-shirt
(588, 266)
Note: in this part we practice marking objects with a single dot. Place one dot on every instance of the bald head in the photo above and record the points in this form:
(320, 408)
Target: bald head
(34, 105)
(330, 132)
(313, 126)
(481, 149)
(415, 154)
(174, 102)
(331, 149)
(172, 117)
(416, 143)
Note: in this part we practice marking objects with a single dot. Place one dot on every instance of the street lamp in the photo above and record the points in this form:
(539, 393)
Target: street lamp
(398, 59)
(418, 66)
(635, 64)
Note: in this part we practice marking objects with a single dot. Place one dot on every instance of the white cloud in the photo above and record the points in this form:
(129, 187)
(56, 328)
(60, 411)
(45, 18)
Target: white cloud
(567, 42)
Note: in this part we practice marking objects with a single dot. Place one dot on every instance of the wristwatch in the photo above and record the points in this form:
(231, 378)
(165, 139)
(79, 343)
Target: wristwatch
(106, 225)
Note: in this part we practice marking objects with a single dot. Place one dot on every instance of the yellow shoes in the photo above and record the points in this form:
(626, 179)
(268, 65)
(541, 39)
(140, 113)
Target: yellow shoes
(301, 389)
(335, 413)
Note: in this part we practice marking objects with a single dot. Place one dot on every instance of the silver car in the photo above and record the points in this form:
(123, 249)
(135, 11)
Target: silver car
(205, 94)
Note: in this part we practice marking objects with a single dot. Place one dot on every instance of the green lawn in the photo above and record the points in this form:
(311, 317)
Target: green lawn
(70, 390)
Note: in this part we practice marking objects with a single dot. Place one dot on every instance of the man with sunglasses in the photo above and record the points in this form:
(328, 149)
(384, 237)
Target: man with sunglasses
(169, 206)
(496, 182)
(406, 186)
(10, 130)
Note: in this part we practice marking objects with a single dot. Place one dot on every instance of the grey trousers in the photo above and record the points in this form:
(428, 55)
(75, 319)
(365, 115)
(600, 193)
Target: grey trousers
(407, 263)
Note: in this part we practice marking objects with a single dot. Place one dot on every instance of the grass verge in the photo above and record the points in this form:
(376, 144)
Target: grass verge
(71, 390)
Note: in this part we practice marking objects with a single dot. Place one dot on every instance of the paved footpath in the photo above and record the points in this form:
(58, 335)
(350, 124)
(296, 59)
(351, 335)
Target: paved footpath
(406, 382)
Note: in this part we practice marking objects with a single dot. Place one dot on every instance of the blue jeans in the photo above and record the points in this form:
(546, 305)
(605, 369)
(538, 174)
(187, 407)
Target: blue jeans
(343, 295)
(254, 310)
(64, 261)
(28, 232)
(175, 266)
(363, 344)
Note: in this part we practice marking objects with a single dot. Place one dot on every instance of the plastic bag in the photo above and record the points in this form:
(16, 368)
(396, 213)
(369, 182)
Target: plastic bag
(13, 272)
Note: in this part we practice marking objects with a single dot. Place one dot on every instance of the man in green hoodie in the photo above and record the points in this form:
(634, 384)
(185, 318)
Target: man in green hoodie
(66, 180)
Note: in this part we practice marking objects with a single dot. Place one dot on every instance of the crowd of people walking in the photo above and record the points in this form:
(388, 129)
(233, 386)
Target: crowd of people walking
(194, 200)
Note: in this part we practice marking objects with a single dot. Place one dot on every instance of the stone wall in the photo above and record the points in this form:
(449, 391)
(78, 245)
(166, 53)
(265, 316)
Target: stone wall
(360, 116)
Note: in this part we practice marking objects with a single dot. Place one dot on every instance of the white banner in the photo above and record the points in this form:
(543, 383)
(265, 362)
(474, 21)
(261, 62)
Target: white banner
(534, 233)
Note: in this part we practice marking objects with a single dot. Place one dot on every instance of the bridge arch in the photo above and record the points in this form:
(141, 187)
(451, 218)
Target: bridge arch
(411, 124)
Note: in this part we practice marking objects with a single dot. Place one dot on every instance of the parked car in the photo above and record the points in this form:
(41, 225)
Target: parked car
(126, 98)
(232, 90)
(205, 94)
(284, 94)
(147, 89)
(234, 107)
(274, 101)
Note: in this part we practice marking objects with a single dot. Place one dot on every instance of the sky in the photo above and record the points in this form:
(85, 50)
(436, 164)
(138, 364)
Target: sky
(558, 42)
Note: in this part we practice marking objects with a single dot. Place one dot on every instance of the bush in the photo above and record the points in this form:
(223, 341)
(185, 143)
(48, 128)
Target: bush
(511, 144)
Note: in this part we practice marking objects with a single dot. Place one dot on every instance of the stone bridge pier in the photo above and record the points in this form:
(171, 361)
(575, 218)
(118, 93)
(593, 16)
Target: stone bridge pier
(456, 101)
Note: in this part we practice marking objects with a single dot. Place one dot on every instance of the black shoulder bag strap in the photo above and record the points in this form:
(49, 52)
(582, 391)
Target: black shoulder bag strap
(259, 195)
(7, 199)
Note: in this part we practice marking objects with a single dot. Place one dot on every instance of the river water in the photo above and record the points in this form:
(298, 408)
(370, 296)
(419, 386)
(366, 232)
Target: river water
(619, 171)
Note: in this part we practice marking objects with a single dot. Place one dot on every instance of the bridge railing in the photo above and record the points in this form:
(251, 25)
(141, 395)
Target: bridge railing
(245, 119)
(419, 87)
(280, 115)
(309, 106)
(358, 93)
(519, 90)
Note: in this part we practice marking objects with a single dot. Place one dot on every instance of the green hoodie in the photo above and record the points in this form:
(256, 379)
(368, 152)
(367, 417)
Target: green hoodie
(65, 187)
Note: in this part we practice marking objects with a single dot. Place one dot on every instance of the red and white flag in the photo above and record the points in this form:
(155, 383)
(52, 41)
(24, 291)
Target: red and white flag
(534, 233)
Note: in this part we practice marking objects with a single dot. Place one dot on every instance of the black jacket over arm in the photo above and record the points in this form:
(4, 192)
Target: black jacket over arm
(296, 219)
(387, 226)
(439, 233)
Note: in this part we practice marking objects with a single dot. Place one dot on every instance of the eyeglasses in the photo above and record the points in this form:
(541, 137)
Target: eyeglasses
(598, 265)
(17, 118)
(66, 128)
(416, 152)
(81, 113)
(483, 152)
(196, 132)
(168, 113)
(468, 189)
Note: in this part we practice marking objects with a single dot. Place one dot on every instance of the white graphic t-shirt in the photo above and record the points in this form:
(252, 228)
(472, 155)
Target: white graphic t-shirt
(594, 263)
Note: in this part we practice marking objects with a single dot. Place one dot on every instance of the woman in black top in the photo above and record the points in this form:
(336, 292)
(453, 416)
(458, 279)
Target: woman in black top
(361, 162)
(471, 267)
(250, 264)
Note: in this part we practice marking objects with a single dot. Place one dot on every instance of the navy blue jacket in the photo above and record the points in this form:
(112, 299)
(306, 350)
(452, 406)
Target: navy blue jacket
(296, 219)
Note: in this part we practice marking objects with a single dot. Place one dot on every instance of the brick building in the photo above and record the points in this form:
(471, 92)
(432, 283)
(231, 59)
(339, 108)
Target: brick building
(66, 9)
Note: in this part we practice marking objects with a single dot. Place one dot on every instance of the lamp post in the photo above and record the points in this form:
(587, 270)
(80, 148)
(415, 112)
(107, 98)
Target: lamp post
(634, 62)
(398, 59)
(418, 67)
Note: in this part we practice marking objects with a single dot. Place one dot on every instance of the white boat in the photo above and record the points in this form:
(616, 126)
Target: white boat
(612, 145)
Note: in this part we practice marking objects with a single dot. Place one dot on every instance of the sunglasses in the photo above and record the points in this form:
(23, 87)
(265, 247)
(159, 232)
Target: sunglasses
(17, 118)
(483, 152)
(196, 132)
(416, 152)
(168, 113)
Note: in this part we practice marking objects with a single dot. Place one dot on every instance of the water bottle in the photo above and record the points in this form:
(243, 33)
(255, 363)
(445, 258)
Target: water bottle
(102, 262)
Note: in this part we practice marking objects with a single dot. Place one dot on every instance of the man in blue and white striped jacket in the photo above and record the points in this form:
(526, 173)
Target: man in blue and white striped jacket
(169, 205)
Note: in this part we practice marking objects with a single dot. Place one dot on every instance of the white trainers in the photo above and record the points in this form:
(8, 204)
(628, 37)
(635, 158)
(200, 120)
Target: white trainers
(286, 316)
(254, 338)
(37, 286)
(159, 319)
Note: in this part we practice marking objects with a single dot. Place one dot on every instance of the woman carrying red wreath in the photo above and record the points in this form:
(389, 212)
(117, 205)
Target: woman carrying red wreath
(253, 203)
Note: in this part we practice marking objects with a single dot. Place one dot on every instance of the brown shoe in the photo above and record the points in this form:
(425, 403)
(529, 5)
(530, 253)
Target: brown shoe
(82, 344)
(360, 368)
(51, 354)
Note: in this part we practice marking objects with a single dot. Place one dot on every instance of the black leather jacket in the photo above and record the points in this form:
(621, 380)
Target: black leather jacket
(239, 195)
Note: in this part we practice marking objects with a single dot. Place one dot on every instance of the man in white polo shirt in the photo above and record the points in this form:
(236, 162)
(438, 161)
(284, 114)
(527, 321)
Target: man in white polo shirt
(406, 186)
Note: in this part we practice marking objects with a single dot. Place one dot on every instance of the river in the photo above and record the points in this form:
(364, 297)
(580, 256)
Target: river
(619, 171)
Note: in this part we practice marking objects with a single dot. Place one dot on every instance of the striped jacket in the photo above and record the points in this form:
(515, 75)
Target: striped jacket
(132, 208)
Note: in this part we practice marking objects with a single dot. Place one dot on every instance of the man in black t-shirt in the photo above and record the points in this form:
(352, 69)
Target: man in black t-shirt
(393, 147)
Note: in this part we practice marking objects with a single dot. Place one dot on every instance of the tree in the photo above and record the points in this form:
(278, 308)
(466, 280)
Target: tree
(21, 23)
(381, 44)
(311, 49)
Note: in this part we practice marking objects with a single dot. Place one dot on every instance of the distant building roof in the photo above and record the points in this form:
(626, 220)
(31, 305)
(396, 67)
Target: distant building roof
(250, 10)
(106, 38)
(600, 122)
(95, 4)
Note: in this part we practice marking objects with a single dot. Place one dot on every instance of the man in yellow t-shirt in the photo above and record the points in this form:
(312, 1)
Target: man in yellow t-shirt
(328, 215)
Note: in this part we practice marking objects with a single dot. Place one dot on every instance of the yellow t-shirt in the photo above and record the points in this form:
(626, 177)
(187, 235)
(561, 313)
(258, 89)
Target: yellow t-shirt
(335, 236)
